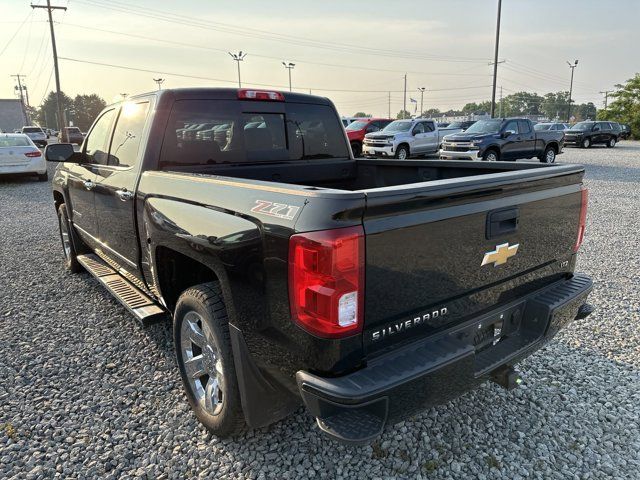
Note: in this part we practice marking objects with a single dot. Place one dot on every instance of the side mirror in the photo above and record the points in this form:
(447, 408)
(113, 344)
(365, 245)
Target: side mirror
(61, 152)
(507, 133)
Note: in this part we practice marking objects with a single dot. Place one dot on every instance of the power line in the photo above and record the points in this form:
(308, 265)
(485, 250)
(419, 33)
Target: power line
(6, 45)
(226, 80)
(175, 18)
(323, 64)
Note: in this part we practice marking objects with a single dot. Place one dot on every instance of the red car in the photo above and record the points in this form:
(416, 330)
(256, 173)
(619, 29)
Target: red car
(358, 129)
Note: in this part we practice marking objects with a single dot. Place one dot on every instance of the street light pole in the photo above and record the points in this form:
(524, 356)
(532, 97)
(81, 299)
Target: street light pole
(238, 57)
(572, 66)
(495, 61)
(421, 89)
(289, 66)
(159, 81)
(404, 102)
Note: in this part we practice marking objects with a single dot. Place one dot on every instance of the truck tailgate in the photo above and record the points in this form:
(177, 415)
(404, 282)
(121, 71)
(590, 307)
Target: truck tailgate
(426, 245)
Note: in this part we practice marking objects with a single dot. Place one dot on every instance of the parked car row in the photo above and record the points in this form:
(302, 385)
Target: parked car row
(20, 155)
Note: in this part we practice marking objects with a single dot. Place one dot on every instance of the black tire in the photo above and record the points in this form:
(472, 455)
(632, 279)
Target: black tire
(43, 177)
(586, 143)
(356, 148)
(402, 153)
(69, 249)
(549, 155)
(491, 155)
(612, 142)
(207, 303)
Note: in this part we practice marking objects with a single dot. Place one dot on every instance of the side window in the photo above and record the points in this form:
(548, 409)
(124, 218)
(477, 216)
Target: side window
(372, 127)
(524, 126)
(128, 134)
(512, 126)
(97, 142)
(429, 126)
(419, 128)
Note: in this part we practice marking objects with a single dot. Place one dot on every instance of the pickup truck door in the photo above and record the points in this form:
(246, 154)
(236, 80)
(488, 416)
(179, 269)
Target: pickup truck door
(528, 143)
(81, 180)
(425, 138)
(116, 185)
(511, 144)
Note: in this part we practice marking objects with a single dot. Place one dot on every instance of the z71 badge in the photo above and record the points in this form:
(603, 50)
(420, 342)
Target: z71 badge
(278, 210)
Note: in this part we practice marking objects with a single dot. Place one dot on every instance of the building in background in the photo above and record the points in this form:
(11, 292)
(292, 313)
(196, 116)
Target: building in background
(12, 116)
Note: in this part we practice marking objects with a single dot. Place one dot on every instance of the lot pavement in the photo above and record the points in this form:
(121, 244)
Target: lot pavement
(86, 393)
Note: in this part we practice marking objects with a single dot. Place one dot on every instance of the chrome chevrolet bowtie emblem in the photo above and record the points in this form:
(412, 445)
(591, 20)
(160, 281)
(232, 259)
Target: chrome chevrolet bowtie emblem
(500, 255)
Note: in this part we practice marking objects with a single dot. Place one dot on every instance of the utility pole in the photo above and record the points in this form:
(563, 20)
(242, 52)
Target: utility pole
(389, 107)
(572, 66)
(495, 60)
(422, 89)
(238, 57)
(404, 102)
(500, 114)
(289, 66)
(159, 81)
(19, 87)
(55, 60)
(605, 93)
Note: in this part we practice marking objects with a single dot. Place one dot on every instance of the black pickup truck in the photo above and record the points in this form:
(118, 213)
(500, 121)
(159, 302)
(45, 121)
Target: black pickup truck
(293, 273)
(503, 139)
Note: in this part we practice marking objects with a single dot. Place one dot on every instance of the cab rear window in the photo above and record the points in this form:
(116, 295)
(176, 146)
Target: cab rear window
(209, 132)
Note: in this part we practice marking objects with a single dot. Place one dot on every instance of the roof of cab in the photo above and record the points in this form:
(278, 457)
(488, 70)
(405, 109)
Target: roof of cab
(231, 94)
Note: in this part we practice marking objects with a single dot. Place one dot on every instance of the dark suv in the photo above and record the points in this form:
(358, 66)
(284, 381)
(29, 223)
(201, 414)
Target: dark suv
(585, 134)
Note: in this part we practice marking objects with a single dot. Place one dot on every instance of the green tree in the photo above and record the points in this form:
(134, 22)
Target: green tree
(47, 114)
(403, 114)
(521, 103)
(625, 107)
(554, 105)
(585, 111)
(362, 115)
(431, 112)
(85, 109)
(473, 107)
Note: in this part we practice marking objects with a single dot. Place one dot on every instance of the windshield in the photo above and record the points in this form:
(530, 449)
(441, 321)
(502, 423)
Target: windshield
(582, 126)
(485, 126)
(398, 126)
(359, 125)
(542, 126)
(32, 130)
(73, 130)
(14, 142)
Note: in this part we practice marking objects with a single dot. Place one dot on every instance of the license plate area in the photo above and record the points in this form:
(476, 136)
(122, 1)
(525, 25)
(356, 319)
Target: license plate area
(491, 329)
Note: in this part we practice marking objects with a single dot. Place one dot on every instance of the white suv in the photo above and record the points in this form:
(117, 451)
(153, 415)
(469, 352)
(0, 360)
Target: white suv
(36, 134)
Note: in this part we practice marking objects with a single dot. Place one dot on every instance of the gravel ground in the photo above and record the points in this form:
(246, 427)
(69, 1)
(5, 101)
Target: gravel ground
(86, 393)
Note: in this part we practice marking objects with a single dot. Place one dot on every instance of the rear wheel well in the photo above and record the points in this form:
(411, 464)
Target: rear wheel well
(178, 272)
(552, 145)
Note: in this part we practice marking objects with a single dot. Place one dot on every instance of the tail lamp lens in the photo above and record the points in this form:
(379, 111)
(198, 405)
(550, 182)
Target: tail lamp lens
(326, 281)
(582, 225)
(246, 94)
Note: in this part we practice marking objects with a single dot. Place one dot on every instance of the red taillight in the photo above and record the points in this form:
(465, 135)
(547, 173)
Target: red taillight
(583, 219)
(33, 154)
(246, 94)
(326, 281)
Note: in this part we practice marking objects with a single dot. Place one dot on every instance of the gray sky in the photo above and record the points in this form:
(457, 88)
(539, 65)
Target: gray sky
(352, 52)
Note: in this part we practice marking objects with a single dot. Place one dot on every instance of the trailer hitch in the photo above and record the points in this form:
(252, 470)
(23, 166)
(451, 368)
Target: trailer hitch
(507, 377)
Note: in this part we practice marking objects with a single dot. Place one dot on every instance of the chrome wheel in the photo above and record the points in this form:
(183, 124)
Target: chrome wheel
(402, 154)
(64, 236)
(491, 157)
(586, 143)
(612, 143)
(202, 362)
(550, 157)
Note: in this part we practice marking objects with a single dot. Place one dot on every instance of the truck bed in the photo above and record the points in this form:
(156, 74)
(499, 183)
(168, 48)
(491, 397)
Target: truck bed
(365, 174)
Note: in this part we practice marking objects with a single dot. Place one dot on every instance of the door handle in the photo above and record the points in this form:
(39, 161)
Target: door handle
(88, 184)
(124, 194)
